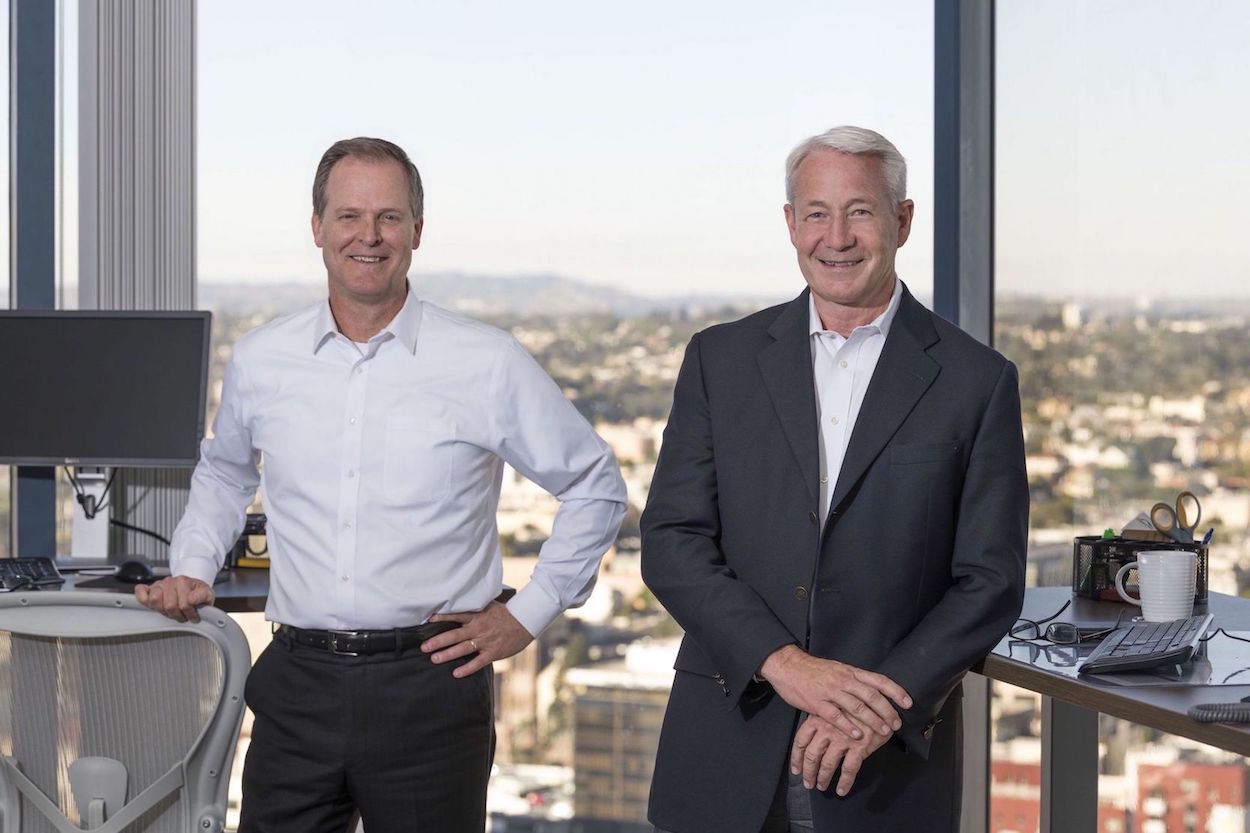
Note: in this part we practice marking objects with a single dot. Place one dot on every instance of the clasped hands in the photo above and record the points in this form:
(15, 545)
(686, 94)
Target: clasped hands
(850, 714)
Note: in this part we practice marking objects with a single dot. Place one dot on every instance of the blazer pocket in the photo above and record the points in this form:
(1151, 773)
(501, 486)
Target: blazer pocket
(905, 453)
(691, 659)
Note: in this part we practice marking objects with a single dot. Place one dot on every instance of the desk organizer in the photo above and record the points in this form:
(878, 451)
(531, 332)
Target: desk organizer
(1096, 560)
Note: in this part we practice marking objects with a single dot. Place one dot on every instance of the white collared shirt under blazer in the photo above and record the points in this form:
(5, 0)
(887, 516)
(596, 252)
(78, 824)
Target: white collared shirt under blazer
(380, 466)
(842, 367)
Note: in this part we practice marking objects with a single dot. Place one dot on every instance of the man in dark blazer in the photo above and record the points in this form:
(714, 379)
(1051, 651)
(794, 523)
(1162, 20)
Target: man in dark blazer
(838, 521)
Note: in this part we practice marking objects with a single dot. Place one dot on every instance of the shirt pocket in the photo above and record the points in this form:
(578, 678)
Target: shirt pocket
(420, 451)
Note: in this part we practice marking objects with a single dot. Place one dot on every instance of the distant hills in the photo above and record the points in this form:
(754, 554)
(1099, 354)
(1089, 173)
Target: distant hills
(480, 295)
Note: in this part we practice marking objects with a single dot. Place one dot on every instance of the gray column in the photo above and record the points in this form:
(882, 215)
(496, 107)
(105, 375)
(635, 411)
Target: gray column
(963, 169)
(137, 200)
(32, 204)
(1069, 767)
(963, 266)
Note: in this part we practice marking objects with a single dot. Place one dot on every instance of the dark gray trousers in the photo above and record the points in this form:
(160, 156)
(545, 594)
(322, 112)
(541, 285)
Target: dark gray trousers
(390, 736)
(791, 811)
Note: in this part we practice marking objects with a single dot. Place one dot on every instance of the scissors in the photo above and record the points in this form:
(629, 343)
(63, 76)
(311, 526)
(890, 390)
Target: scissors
(1178, 524)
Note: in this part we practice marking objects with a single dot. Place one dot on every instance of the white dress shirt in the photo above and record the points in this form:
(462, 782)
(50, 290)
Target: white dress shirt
(380, 465)
(842, 367)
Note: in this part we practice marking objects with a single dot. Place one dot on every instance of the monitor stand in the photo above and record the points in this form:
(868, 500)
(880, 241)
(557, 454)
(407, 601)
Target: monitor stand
(91, 535)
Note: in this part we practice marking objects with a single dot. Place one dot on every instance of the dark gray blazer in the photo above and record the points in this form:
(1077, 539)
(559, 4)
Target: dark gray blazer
(919, 572)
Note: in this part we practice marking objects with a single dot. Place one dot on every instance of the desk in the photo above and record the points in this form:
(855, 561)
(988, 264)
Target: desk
(1070, 707)
(245, 591)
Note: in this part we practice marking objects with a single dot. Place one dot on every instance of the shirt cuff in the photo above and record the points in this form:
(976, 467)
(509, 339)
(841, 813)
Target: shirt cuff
(533, 608)
(204, 569)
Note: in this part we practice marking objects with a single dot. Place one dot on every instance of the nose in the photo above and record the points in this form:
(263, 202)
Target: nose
(370, 231)
(839, 235)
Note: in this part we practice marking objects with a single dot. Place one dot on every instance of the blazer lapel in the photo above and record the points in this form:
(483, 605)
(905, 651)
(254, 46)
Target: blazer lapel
(903, 373)
(787, 368)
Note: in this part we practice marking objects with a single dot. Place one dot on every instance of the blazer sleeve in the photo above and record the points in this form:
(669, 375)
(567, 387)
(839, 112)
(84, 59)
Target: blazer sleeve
(682, 560)
(987, 568)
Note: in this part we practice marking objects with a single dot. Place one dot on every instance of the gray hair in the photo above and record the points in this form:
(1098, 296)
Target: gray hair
(855, 141)
(375, 150)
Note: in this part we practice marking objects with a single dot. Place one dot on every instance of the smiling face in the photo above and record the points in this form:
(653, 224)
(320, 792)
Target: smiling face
(845, 229)
(367, 233)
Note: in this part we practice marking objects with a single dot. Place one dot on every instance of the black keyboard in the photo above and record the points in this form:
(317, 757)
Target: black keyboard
(28, 573)
(1147, 645)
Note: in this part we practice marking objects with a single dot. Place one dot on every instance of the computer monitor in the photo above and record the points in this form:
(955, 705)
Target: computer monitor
(97, 388)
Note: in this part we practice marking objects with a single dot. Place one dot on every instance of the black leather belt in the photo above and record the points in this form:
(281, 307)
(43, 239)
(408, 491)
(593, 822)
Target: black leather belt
(357, 643)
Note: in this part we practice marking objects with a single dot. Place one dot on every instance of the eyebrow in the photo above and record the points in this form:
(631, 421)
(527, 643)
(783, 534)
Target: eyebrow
(852, 201)
(341, 208)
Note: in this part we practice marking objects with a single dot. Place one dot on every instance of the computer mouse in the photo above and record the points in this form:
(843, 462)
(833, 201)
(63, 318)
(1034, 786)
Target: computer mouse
(134, 572)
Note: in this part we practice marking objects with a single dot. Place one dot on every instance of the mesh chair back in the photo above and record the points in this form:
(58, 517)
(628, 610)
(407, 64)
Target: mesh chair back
(95, 675)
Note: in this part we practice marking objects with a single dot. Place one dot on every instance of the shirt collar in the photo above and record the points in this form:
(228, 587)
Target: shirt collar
(881, 323)
(403, 327)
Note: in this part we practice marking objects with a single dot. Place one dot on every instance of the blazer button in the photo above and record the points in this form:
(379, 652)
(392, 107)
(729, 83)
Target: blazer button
(927, 734)
(811, 516)
(800, 593)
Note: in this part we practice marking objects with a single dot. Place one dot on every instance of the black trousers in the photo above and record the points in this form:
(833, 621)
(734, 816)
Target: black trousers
(390, 736)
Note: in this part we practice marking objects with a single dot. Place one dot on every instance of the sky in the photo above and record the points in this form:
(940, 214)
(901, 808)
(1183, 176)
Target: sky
(641, 145)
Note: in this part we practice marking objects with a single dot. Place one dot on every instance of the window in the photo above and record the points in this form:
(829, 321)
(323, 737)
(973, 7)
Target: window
(1120, 275)
(603, 181)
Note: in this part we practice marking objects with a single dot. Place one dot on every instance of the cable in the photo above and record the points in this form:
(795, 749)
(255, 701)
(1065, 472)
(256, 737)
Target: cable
(90, 507)
(140, 530)
(1226, 633)
(1222, 712)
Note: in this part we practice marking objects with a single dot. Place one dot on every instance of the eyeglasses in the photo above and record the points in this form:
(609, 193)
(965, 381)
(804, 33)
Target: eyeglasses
(1058, 656)
(1060, 633)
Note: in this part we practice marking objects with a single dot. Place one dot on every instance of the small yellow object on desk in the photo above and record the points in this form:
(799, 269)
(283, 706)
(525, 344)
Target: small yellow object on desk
(253, 562)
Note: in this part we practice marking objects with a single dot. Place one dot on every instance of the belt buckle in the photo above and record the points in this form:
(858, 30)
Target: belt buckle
(333, 643)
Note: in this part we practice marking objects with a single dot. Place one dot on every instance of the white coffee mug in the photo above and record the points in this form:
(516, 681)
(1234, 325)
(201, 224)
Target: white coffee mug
(1166, 580)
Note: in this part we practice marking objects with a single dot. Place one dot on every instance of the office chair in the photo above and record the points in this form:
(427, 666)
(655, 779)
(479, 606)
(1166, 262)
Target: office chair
(114, 718)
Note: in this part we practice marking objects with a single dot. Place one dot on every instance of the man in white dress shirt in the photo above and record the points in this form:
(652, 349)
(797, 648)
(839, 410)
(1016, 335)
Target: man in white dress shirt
(383, 424)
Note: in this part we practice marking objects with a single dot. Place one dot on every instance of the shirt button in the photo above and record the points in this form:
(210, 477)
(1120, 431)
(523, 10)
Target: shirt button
(843, 362)
(347, 524)
(824, 479)
(800, 593)
(834, 420)
(352, 421)
(347, 578)
(350, 474)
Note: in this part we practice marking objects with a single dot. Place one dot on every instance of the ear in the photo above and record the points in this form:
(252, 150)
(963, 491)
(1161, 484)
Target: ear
(416, 233)
(906, 210)
(316, 229)
(791, 223)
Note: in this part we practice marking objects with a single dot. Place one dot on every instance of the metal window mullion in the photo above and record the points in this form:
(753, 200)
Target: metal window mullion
(963, 267)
